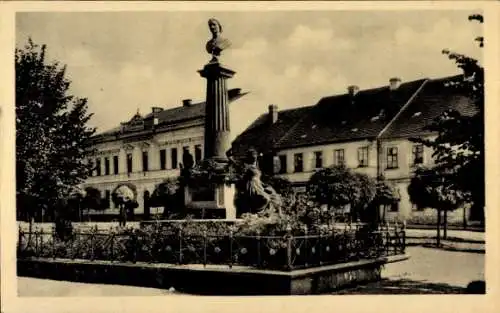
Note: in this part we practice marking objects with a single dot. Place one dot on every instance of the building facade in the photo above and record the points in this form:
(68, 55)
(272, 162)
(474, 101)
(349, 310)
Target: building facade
(369, 131)
(146, 150)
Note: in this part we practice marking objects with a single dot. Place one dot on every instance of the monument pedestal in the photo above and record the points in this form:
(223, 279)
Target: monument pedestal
(217, 126)
(218, 198)
(215, 196)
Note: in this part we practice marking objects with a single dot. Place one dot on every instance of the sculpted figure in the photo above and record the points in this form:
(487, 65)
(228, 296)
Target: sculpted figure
(259, 196)
(187, 162)
(217, 44)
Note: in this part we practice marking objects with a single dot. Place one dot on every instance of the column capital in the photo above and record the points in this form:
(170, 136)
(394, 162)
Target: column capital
(216, 70)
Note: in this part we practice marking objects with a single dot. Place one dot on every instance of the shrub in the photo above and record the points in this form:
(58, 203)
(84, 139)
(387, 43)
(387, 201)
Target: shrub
(192, 242)
(337, 187)
(169, 194)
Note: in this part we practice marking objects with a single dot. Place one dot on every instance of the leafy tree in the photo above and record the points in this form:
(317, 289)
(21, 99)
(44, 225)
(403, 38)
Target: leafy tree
(337, 187)
(169, 195)
(125, 198)
(459, 146)
(385, 195)
(429, 189)
(51, 133)
(92, 199)
(366, 187)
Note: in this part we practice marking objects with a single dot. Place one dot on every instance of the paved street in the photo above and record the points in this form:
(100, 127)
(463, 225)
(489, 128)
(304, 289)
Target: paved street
(34, 287)
(462, 234)
(427, 271)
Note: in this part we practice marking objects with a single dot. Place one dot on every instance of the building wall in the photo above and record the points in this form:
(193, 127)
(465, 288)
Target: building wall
(350, 155)
(143, 180)
(399, 175)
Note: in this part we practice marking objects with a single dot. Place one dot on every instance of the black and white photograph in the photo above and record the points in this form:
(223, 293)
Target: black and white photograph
(200, 153)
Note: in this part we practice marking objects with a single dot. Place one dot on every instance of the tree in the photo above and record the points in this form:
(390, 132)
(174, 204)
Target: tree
(92, 199)
(169, 195)
(459, 146)
(430, 189)
(367, 189)
(125, 198)
(337, 186)
(52, 136)
(385, 195)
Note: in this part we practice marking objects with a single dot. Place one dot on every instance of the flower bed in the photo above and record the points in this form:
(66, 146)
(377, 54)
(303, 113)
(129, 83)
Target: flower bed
(258, 242)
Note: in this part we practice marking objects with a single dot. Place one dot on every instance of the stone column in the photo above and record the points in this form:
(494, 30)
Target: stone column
(103, 168)
(154, 156)
(122, 161)
(217, 128)
(111, 165)
(137, 159)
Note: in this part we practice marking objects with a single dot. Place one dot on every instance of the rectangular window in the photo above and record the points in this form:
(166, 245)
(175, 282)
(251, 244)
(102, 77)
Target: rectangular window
(106, 166)
(174, 158)
(93, 165)
(98, 167)
(129, 163)
(394, 207)
(107, 199)
(197, 153)
(298, 163)
(318, 159)
(145, 161)
(338, 157)
(283, 164)
(418, 154)
(392, 157)
(363, 157)
(115, 165)
(163, 159)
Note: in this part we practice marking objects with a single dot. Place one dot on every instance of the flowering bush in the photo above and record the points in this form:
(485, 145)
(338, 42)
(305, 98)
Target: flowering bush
(257, 241)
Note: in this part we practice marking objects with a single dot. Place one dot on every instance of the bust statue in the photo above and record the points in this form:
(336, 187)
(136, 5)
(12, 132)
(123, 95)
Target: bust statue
(217, 44)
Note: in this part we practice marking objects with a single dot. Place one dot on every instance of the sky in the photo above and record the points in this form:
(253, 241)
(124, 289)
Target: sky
(128, 61)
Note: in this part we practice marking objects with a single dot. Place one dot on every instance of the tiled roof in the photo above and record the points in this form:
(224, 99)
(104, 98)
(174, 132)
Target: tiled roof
(341, 118)
(175, 115)
(263, 135)
(332, 119)
(434, 99)
(345, 118)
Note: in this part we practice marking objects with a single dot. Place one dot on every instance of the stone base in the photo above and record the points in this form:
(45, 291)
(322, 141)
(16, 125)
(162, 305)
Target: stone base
(212, 279)
(219, 198)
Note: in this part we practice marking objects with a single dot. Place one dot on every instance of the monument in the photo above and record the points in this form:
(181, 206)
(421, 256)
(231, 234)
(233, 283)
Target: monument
(215, 178)
(217, 141)
(217, 126)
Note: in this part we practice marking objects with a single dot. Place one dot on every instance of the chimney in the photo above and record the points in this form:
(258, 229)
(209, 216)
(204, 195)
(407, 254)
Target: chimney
(394, 83)
(155, 110)
(273, 113)
(352, 90)
(187, 102)
(122, 127)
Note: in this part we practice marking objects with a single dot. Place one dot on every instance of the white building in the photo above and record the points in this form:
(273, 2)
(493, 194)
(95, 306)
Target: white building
(367, 130)
(148, 149)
